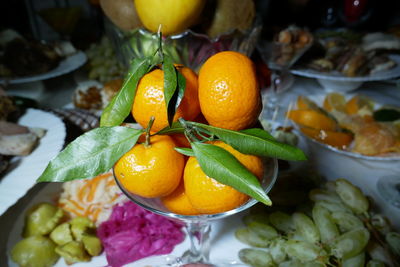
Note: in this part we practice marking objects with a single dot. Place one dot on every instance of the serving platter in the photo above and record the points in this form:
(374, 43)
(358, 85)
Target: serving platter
(68, 64)
(222, 237)
(23, 171)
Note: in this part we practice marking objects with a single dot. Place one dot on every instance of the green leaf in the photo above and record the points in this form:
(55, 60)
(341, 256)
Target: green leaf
(120, 106)
(170, 79)
(185, 151)
(221, 165)
(91, 154)
(175, 127)
(174, 87)
(255, 142)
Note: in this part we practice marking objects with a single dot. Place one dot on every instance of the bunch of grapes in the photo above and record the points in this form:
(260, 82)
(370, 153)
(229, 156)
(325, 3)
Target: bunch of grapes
(338, 228)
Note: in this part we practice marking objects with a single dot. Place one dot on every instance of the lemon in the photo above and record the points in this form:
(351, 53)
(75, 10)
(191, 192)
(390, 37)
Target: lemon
(174, 16)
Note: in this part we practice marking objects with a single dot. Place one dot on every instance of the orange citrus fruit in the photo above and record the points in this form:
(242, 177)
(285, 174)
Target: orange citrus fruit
(304, 102)
(149, 100)
(178, 202)
(359, 104)
(151, 171)
(209, 196)
(312, 118)
(336, 139)
(180, 140)
(229, 94)
(334, 101)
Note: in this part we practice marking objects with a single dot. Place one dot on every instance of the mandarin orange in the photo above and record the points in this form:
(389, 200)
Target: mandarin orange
(151, 171)
(229, 94)
(149, 100)
(207, 195)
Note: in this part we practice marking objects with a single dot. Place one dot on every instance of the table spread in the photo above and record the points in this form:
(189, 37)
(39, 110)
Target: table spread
(225, 245)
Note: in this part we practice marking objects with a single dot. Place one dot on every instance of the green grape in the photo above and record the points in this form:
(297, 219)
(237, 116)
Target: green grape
(352, 196)
(305, 227)
(330, 186)
(291, 263)
(380, 223)
(325, 224)
(347, 221)
(379, 253)
(375, 263)
(350, 243)
(281, 221)
(356, 261)
(304, 251)
(333, 207)
(264, 231)
(321, 194)
(314, 264)
(260, 217)
(248, 237)
(277, 250)
(256, 257)
(393, 239)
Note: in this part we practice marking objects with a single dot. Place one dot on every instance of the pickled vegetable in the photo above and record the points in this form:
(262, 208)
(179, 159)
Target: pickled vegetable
(92, 244)
(61, 234)
(73, 252)
(80, 226)
(42, 219)
(35, 251)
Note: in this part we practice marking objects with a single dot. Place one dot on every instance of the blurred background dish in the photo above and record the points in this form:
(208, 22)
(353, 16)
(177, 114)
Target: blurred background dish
(68, 64)
(335, 81)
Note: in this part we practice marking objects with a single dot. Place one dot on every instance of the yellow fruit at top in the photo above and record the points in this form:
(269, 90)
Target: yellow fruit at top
(149, 100)
(228, 91)
(174, 16)
(209, 196)
(152, 171)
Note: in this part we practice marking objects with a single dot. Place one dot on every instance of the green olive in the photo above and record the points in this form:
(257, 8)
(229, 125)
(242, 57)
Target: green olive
(34, 251)
(42, 219)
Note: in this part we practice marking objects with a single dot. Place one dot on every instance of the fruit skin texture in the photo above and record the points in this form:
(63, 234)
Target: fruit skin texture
(229, 94)
(152, 171)
(178, 202)
(175, 16)
(209, 196)
(149, 100)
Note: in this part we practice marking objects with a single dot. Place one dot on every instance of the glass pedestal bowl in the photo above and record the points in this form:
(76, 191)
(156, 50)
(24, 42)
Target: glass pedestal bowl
(189, 48)
(198, 227)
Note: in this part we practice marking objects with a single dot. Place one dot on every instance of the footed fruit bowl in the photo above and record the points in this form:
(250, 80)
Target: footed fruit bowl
(188, 48)
(198, 226)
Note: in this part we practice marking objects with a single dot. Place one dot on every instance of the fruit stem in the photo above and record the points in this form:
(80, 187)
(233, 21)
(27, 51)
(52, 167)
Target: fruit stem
(188, 131)
(147, 131)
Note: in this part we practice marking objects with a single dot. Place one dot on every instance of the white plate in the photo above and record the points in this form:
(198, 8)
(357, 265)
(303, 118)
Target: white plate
(222, 237)
(379, 76)
(338, 82)
(67, 65)
(24, 171)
